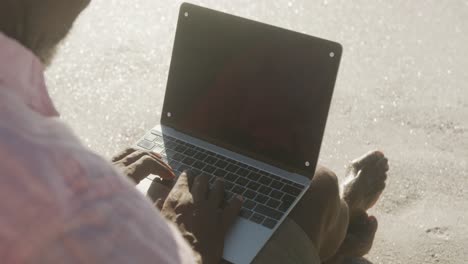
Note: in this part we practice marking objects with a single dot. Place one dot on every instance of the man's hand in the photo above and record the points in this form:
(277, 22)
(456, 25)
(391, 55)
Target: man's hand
(198, 213)
(138, 164)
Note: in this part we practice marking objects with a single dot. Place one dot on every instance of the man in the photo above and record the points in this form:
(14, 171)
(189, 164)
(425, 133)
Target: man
(61, 203)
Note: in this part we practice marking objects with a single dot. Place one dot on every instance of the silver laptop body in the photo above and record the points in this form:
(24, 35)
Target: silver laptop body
(226, 74)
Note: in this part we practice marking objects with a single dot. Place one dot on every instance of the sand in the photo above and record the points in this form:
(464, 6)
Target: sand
(402, 88)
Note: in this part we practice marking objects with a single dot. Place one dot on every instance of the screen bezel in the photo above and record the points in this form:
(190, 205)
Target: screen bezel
(166, 121)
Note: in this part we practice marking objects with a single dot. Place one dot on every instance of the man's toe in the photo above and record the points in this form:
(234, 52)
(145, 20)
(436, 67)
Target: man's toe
(382, 164)
(368, 159)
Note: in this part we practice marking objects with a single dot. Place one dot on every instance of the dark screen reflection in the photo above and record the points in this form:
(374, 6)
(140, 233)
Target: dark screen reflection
(259, 91)
(266, 103)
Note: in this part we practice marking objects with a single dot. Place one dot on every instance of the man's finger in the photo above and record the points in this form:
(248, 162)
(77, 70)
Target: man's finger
(132, 157)
(165, 164)
(168, 172)
(123, 154)
(145, 166)
(216, 195)
(137, 154)
(184, 182)
(230, 213)
(200, 188)
(154, 154)
(163, 170)
(159, 190)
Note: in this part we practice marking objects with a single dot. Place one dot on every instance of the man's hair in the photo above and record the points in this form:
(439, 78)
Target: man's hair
(39, 25)
(9, 18)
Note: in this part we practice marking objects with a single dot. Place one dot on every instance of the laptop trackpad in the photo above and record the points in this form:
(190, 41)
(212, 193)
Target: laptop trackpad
(244, 241)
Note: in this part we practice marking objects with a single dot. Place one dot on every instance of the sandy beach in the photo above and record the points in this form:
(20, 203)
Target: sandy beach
(402, 88)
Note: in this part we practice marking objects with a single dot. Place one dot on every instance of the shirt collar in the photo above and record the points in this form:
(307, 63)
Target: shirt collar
(22, 73)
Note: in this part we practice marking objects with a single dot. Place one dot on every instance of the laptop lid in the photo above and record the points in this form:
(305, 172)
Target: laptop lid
(252, 88)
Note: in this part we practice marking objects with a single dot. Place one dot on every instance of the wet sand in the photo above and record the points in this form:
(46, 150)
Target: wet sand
(402, 88)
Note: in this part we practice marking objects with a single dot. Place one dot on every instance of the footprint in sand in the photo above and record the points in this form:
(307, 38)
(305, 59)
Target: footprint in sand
(439, 232)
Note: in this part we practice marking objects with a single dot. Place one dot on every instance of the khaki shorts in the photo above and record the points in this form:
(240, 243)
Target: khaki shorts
(288, 245)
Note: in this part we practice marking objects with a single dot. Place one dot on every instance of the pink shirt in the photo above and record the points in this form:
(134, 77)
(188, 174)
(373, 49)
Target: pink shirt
(60, 202)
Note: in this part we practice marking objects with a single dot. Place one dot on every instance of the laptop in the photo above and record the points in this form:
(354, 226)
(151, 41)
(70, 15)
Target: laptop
(247, 102)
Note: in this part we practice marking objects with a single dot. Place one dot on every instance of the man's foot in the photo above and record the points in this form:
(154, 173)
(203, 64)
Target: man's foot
(358, 241)
(360, 236)
(362, 187)
(364, 183)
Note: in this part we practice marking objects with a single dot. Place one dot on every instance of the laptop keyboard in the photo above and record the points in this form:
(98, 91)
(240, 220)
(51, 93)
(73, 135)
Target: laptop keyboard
(267, 197)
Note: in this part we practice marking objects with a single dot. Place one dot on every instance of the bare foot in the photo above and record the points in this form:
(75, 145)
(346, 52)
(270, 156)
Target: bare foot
(363, 185)
(358, 241)
(360, 236)
(364, 182)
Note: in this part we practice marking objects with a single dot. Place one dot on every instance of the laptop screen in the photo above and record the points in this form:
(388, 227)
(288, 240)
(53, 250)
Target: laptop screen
(254, 89)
